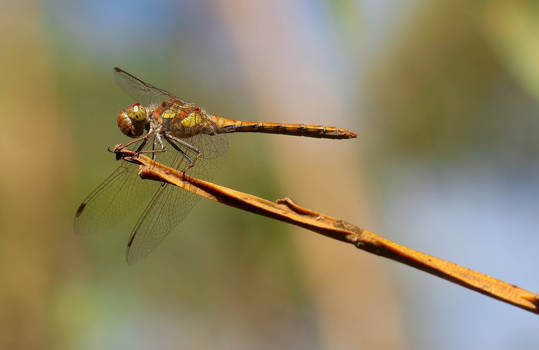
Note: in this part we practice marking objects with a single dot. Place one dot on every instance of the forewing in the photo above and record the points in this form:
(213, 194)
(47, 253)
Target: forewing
(120, 197)
(170, 205)
(143, 92)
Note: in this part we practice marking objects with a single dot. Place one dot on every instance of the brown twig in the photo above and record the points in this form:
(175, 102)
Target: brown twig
(288, 211)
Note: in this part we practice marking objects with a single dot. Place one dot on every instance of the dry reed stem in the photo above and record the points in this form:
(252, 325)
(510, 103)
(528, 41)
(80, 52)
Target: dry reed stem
(288, 211)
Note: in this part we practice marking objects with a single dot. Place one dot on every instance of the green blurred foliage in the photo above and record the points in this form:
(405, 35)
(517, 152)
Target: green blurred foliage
(443, 92)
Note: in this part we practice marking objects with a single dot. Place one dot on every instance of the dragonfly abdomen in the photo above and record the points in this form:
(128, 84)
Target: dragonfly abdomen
(225, 125)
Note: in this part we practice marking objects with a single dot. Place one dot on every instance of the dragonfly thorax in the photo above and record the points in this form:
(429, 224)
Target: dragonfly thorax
(132, 120)
(182, 119)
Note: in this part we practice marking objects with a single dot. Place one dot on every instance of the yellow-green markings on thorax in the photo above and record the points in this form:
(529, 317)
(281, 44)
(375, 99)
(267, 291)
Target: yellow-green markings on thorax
(188, 114)
(168, 114)
(192, 119)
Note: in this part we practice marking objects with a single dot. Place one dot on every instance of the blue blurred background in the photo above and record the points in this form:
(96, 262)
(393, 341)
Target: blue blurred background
(444, 97)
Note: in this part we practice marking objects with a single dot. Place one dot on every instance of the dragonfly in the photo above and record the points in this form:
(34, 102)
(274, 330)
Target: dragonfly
(181, 135)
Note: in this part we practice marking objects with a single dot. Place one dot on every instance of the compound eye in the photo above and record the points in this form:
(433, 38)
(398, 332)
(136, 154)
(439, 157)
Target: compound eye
(136, 112)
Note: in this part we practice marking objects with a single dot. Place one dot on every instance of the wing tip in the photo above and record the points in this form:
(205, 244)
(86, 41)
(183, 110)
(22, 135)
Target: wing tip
(80, 210)
(131, 239)
(128, 258)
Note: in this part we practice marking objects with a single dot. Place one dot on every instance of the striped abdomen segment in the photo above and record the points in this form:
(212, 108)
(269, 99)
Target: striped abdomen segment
(225, 125)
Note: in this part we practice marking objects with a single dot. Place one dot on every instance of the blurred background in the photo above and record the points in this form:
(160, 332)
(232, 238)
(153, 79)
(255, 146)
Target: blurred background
(444, 98)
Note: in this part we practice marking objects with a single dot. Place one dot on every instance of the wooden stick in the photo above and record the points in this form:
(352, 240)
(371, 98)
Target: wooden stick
(287, 211)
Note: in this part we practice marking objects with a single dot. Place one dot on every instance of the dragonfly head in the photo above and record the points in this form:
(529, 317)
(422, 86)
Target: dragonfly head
(132, 120)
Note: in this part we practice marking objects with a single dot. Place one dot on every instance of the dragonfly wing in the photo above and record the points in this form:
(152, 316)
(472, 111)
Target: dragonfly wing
(167, 209)
(120, 197)
(143, 92)
(211, 146)
(170, 205)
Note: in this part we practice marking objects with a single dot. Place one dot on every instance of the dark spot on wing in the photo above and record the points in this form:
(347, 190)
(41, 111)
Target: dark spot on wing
(81, 208)
(131, 238)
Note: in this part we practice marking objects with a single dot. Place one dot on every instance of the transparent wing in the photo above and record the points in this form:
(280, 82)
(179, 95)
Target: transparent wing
(142, 92)
(123, 196)
(170, 205)
(120, 197)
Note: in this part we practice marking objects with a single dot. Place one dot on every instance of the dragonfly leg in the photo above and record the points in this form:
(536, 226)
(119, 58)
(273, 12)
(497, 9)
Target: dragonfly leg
(153, 152)
(144, 138)
(141, 146)
(118, 148)
(182, 142)
(192, 162)
(156, 139)
(153, 149)
(184, 154)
